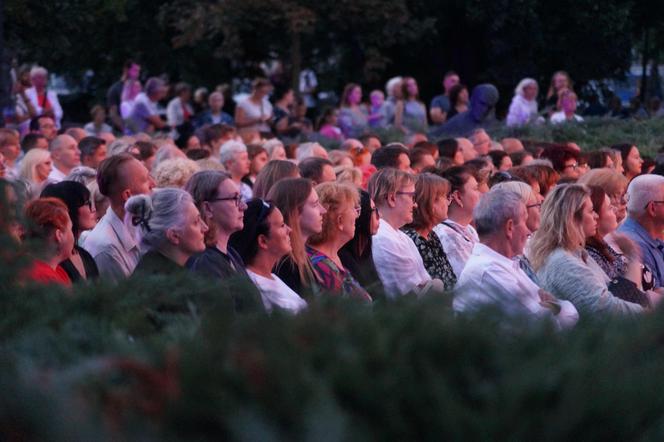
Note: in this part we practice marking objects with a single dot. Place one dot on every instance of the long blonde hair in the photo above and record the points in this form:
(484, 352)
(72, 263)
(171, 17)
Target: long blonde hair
(561, 223)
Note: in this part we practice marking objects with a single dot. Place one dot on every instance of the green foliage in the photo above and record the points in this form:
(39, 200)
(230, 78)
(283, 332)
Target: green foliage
(167, 359)
(595, 133)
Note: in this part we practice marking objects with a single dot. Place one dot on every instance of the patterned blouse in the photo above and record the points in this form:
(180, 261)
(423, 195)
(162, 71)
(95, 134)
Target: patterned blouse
(434, 257)
(333, 279)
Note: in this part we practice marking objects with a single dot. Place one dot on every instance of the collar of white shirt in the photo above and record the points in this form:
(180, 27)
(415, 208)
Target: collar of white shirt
(123, 232)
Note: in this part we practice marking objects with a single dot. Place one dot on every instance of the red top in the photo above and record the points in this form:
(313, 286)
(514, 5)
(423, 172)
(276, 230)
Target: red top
(42, 273)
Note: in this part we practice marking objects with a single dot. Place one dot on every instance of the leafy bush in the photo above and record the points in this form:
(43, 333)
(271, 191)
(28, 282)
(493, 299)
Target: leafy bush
(167, 359)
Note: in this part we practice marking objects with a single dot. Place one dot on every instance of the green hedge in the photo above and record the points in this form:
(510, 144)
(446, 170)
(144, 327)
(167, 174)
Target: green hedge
(167, 359)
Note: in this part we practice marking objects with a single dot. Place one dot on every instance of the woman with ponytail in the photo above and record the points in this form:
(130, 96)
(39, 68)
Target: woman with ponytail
(170, 227)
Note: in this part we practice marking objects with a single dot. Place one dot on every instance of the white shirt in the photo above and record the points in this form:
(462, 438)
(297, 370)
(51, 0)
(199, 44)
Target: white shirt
(559, 117)
(113, 246)
(397, 260)
(253, 111)
(275, 293)
(492, 278)
(457, 241)
(52, 97)
(56, 175)
(521, 111)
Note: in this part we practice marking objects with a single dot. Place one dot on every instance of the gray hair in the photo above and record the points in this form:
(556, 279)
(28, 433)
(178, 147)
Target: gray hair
(120, 145)
(59, 142)
(38, 70)
(166, 151)
(520, 188)
(522, 84)
(305, 150)
(494, 209)
(82, 174)
(156, 214)
(641, 191)
(153, 84)
(229, 149)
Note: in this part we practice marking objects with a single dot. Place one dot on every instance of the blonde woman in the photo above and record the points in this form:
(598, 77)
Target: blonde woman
(558, 256)
(342, 205)
(34, 170)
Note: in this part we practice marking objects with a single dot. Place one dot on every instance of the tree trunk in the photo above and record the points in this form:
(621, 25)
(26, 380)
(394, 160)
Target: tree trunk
(296, 59)
(644, 65)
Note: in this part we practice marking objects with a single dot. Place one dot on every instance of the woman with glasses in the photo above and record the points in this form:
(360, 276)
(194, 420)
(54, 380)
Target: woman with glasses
(262, 242)
(557, 254)
(432, 198)
(342, 208)
(624, 269)
(298, 201)
(456, 234)
(220, 205)
(80, 266)
(170, 229)
(397, 260)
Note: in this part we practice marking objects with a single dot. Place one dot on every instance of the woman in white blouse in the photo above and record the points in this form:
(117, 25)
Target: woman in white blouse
(456, 234)
(523, 109)
(264, 240)
(254, 112)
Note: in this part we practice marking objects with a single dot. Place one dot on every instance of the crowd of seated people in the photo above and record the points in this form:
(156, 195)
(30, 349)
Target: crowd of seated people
(547, 231)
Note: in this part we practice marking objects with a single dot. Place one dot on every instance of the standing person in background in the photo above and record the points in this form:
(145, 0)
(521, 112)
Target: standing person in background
(440, 104)
(379, 112)
(458, 100)
(352, 113)
(44, 101)
(98, 124)
(254, 113)
(567, 105)
(560, 81)
(179, 111)
(130, 71)
(410, 114)
(25, 110)
(214, 114)
(144, 116)
(284, 122)
(523, 109)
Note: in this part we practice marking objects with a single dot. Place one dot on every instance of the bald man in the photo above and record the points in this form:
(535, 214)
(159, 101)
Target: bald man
(65, 155)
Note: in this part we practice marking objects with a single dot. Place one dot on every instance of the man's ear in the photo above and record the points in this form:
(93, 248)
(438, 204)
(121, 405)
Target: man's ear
(59, 234)
(126, 194)
(173, 236)
(509, 228)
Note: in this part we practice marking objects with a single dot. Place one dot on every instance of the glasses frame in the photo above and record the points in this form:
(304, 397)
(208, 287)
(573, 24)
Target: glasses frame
(237, 198)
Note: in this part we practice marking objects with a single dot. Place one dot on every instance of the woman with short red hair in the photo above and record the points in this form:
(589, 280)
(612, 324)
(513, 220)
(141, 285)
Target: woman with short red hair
(48, 233)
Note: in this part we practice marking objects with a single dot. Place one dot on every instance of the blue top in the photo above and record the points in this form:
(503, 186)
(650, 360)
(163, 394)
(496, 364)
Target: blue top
(652, 250)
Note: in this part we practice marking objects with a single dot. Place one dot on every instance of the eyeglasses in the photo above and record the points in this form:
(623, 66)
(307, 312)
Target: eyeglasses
(530, 206)
(358, 210)
(237, 198)
(655, 202)
(573, 166)
(410, 194)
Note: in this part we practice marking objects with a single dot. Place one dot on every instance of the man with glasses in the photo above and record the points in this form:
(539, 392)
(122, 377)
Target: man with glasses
(645, 222)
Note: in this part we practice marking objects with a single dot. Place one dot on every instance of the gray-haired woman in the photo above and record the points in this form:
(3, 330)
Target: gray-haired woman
(171, 229)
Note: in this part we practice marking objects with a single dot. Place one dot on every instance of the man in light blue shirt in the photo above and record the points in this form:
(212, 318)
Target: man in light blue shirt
(645, 222)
